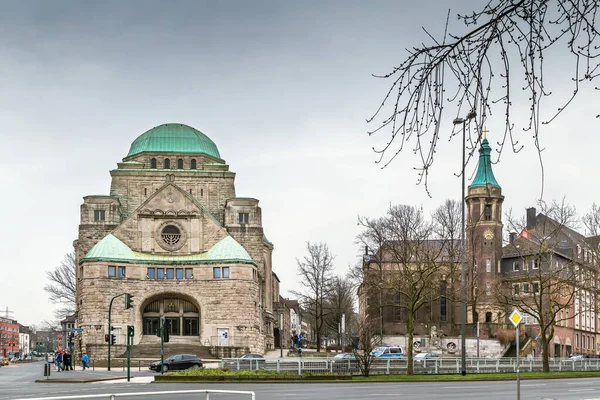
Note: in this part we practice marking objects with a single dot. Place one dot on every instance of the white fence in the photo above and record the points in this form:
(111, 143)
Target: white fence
(399, 365)
(112, 396)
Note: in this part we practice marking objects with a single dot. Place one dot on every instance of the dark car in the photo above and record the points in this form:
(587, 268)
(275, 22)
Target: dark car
(247, 361)
(178, 361)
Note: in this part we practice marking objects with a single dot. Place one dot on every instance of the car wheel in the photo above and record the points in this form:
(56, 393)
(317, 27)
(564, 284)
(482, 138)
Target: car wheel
(165, 368)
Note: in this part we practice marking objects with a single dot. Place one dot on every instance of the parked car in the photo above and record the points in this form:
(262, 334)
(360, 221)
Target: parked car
(387, 351)
(422, 358)
(579, 357)
(343, 362)
(178, 361)
(3, 361)
(246, 361)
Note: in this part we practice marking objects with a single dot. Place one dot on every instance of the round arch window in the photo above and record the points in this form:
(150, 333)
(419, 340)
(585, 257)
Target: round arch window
(171, 235)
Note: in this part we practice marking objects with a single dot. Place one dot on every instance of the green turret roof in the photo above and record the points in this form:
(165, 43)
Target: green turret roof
(112, 249)
(485, 174)
(174, 138)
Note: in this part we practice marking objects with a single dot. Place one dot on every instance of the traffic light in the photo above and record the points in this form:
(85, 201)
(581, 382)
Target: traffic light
(113, 339)
(128, 301)
(106, 338)
(166, 334)
(130, 331)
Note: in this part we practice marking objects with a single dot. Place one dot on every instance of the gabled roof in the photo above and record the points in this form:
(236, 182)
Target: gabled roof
(228, 250)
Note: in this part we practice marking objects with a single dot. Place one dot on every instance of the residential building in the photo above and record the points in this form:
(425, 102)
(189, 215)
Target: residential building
(9, 336)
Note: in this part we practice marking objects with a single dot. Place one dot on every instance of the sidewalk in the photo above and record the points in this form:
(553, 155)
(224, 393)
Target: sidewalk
(89, 375)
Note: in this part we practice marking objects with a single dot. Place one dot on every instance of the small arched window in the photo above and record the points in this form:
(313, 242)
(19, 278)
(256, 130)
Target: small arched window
(180, 164)
(153, 163)
(193, 164)
(145, 191)
(167, 163)
(488, 317)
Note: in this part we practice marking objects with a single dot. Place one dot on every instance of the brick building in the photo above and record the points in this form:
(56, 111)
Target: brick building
(9, 336)
(515, 268)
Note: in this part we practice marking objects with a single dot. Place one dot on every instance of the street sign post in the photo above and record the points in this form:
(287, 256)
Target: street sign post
(515, 318)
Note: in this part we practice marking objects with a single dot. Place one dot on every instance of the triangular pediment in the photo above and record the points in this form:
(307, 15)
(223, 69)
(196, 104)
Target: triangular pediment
(193, 228)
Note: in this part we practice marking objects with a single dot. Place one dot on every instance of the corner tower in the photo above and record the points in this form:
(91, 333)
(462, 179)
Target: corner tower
(484, 240)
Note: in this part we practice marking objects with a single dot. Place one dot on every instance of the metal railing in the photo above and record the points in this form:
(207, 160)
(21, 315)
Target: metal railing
(112, 396)
(387, 366)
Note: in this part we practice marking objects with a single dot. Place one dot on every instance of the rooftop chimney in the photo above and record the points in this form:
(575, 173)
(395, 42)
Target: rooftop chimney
(531, 213)
(512, 237)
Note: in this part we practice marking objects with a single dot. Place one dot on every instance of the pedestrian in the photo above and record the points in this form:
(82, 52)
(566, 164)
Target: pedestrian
(67, 361)
(299, 351)
(84, 360)
(58, 360)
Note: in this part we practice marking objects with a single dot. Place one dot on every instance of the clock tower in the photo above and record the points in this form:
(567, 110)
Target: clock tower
(484, 240)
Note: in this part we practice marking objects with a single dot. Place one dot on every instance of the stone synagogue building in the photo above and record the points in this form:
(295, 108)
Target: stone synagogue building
(173, 234)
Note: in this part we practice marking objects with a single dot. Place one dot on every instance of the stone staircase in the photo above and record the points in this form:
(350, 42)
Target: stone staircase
(149, 348)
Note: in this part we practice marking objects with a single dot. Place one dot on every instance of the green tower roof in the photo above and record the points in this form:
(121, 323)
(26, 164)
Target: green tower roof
(485, 174)
(174, 138)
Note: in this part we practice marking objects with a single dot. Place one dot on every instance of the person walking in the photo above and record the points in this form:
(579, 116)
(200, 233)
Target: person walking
(58, 360)
(67, 361)
(84, 361)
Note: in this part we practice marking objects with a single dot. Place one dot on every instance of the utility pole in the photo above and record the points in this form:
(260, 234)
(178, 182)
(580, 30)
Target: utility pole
(7, 313)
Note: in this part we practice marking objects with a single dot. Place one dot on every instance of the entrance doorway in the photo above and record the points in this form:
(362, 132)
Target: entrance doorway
(182, 317)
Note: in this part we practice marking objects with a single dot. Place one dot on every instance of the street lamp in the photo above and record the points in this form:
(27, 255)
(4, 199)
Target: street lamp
(463, 281)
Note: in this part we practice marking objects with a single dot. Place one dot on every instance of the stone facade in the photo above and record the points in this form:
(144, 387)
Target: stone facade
(174, 236)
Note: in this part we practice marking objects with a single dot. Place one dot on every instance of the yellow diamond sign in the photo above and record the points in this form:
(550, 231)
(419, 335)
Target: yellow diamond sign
(516, 317)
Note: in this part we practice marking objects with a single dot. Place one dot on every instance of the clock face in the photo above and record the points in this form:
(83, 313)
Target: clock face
(488, 234)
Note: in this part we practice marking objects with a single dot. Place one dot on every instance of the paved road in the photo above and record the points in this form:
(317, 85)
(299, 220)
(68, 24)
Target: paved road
(16, 383)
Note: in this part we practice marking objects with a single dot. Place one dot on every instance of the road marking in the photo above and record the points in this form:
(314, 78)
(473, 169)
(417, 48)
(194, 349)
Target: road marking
(582, 390)
(465, 387)
(532, 384)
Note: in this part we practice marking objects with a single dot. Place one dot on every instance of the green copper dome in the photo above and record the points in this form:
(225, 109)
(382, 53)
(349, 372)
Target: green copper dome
(485, 174)
(174, 138)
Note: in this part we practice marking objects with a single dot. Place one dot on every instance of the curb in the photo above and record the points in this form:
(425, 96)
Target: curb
(79, 380)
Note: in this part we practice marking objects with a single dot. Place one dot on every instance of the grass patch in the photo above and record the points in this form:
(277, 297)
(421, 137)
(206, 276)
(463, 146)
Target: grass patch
(474, 377)
(227, 372)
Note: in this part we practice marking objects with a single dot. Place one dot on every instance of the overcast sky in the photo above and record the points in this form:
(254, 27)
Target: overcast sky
(283, 88)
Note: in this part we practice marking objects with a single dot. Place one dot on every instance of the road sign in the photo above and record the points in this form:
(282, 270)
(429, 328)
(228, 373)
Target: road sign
(76, 329)
(516, 317)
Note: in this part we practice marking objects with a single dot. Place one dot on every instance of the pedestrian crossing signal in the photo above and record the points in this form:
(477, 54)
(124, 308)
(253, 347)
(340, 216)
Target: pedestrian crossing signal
(106, 338)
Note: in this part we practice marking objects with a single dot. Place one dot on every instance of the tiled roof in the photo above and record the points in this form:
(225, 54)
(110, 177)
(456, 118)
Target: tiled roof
(112, 249)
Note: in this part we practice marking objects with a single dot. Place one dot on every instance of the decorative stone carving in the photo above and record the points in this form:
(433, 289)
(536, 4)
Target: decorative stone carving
(171, 235)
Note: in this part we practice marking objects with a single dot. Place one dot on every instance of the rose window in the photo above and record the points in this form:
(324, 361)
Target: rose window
(171, 235)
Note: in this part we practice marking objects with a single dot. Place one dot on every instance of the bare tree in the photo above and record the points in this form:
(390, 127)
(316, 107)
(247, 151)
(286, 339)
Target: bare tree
(373, 239)
(367, 340)
(316, 276)
(545, 279)
(506, 48)
(415, 261)
(410, 268)
(591, 221)
(339, 302)
(61, 288)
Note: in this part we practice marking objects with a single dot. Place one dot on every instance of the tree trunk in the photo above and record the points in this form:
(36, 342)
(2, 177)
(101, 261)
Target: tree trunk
(545, 355)
(410, 327)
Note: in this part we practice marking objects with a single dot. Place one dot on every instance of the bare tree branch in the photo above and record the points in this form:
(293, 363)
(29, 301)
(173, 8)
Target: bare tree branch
(61, 289)
(508, 42)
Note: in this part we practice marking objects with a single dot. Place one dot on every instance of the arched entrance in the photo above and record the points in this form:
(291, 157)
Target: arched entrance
(182, 317)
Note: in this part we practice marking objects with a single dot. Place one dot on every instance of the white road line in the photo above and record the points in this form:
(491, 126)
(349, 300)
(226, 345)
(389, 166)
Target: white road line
(465, 387)
(582, 390)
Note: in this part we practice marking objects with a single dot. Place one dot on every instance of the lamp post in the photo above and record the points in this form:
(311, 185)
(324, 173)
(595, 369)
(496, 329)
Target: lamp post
(463, 280)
